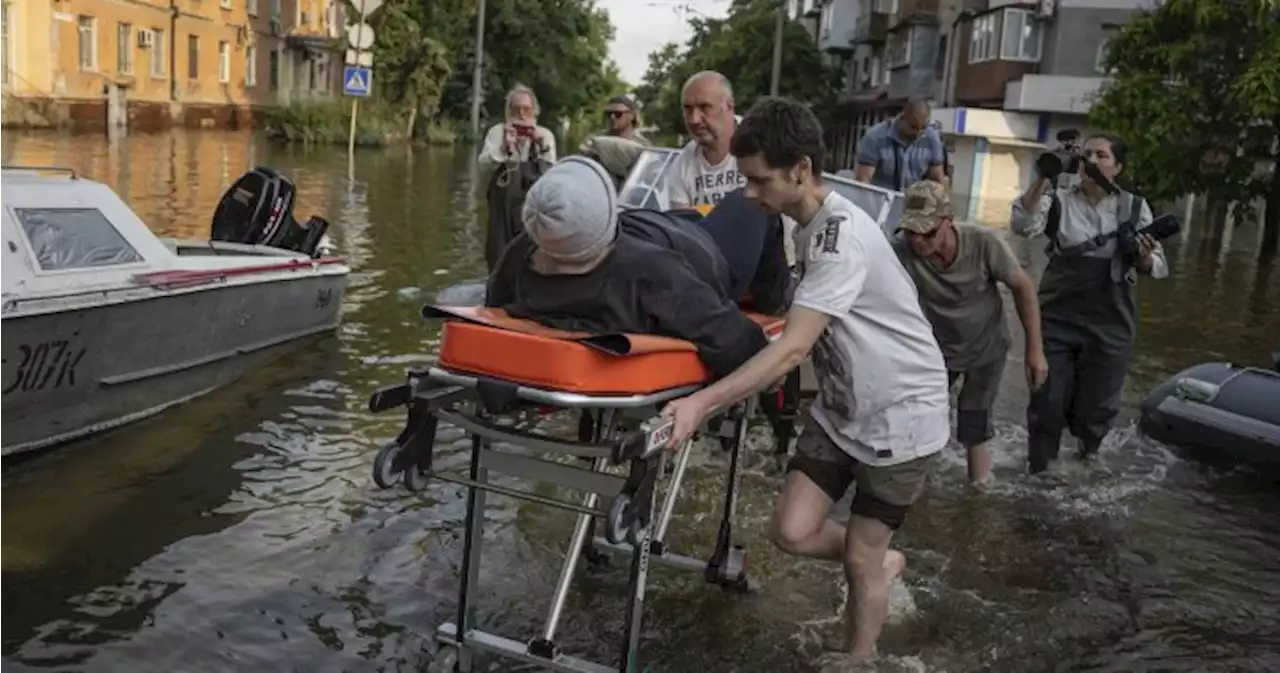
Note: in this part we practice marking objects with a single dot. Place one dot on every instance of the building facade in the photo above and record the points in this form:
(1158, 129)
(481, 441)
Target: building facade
(148, 64)
(1003, 76)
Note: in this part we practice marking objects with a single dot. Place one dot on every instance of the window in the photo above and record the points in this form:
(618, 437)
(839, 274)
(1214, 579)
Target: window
(250, 66)
(74, 238)
(224, 62)
(899, 49)
(273, 69)
(275, 9)
(158, 48)
(5, 59)
(1104, 49)
(828, 11)
(983, 39)
(87, 42)
(193, 57)
(124, 48)
(251, 7)
(1021, 36)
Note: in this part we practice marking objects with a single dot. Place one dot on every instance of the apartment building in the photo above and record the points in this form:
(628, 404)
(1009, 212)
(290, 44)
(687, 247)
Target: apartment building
(150, 64)
(1004, 77)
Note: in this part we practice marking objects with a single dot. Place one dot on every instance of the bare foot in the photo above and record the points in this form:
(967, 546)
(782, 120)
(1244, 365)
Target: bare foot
(894, 564)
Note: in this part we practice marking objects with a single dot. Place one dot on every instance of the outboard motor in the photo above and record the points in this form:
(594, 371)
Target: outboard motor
(258, 210)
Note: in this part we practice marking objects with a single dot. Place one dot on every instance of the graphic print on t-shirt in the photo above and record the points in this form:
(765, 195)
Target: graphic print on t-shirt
(697, 183)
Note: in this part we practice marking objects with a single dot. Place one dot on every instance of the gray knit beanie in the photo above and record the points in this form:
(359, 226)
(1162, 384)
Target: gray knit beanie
(571, 212)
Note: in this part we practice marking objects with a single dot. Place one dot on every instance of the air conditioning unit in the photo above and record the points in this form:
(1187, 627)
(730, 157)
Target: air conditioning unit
(1044, 8)
(146, 38)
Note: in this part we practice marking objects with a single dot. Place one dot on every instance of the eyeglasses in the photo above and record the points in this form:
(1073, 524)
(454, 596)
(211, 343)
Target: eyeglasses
(614, 114)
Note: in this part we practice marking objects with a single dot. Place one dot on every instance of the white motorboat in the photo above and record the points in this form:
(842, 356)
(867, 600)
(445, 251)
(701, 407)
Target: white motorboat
(105, 323)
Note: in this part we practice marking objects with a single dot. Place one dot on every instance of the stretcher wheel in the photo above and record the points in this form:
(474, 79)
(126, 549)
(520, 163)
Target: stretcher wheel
(617, 528)
(385, 471)
(415, 480)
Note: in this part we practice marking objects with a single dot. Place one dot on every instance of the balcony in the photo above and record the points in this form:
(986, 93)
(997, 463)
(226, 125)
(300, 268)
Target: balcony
(1052, 93)
(914, 10)
(871, 28)
(995, 48)
(837, 24)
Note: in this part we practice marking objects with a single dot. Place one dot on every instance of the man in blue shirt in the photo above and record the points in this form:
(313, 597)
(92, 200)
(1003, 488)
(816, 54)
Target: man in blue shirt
(898, 152)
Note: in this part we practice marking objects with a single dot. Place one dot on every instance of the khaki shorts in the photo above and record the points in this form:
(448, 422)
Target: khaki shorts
(977, 397)
(884, 493)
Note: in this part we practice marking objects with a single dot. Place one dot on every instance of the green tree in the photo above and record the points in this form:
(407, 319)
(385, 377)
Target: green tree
(740, 47)
(559, 48)
(1196, 94)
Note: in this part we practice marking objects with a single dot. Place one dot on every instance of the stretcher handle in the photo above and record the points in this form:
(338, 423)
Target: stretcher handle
(650, 438)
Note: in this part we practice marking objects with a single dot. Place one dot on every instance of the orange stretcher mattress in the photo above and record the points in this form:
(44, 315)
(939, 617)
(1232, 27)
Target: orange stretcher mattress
(488, 342)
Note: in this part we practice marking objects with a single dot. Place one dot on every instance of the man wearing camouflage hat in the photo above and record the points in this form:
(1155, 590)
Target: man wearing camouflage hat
(955, 267)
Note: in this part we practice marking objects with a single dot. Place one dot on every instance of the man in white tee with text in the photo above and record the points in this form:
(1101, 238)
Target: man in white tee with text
(706, 170)
(881, 416)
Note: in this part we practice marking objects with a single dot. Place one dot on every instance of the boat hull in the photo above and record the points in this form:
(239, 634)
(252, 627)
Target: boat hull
(70, 374)
(1218, 410)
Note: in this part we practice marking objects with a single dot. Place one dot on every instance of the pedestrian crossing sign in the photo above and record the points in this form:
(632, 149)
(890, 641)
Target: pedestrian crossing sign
(356, 80)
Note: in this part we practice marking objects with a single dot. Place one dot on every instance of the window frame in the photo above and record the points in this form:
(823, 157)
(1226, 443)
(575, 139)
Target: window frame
(224, 62)
(1027, 20)
(987, 28)
(156, 59)
(16, 212)
(905, 37)
(193, 58)
(251, 66)
(124, 47)
(86, 24)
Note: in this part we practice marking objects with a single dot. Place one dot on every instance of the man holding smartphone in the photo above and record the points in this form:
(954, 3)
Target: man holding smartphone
(515, 154)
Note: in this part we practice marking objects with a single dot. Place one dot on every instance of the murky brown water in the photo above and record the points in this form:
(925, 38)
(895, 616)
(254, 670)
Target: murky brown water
(242, 532)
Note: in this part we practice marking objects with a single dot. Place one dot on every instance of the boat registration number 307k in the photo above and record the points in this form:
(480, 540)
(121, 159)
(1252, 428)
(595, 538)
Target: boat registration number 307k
(45, 365)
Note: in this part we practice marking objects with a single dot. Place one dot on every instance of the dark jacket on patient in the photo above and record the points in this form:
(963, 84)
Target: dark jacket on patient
(639, 288)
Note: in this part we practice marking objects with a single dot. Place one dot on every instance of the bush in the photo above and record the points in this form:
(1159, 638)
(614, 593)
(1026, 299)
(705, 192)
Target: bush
(328, 121)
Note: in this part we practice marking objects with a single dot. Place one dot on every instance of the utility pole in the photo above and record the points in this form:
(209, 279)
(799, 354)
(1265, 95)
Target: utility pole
(476, 93)
(777, 47)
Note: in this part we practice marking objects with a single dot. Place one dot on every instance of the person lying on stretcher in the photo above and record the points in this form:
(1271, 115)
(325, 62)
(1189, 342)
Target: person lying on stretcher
(573, 271)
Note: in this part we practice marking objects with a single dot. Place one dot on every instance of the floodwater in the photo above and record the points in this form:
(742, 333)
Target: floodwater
(242, 531)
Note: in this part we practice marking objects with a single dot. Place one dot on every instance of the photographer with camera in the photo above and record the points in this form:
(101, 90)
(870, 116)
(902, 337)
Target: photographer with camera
(1068, 151)
(516, 152)
(1100, 238)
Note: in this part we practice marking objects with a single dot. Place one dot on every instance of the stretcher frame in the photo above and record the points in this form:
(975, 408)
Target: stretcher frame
(613, 430)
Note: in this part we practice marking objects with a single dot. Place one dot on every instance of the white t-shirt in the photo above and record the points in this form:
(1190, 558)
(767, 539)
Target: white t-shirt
(695, 182)
(883, 395)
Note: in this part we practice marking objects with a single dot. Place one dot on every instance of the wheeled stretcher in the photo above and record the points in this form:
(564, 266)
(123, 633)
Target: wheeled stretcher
(492, 366)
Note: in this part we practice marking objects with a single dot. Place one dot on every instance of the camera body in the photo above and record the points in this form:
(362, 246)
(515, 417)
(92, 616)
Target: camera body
(523, 131)
(1056, 162)
(1160, 228)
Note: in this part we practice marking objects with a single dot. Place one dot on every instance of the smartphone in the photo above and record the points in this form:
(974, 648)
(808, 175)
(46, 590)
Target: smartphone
(1162, 227)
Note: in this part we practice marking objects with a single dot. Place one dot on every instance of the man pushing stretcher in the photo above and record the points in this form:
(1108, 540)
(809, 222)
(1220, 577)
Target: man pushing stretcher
(881, 416)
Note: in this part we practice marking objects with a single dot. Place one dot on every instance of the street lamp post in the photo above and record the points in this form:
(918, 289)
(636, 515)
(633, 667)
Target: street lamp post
(477, 75)
(777, 47)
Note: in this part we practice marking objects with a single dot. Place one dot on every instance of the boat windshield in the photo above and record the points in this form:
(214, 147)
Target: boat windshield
(74, 238)
(646, 187)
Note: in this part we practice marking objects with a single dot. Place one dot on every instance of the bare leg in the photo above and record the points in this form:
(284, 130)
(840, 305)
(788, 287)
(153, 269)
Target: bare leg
(979, 464)
(870, 567)
(800, 524)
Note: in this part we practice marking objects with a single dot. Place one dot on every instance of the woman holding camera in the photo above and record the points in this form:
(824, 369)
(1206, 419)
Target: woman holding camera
(1087, 307)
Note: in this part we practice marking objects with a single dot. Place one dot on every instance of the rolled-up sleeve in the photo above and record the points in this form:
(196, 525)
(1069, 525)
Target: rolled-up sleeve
(869, 148)
(1026, 223)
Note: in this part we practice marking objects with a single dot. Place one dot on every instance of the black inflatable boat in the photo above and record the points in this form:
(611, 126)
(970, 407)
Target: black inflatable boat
(1221, 408)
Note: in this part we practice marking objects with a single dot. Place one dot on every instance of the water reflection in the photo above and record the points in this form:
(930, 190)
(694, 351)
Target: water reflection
(241, 532)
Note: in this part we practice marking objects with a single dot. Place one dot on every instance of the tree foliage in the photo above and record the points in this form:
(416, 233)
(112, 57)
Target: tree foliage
(1196, 94)
(741, 47)
(424, 53)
